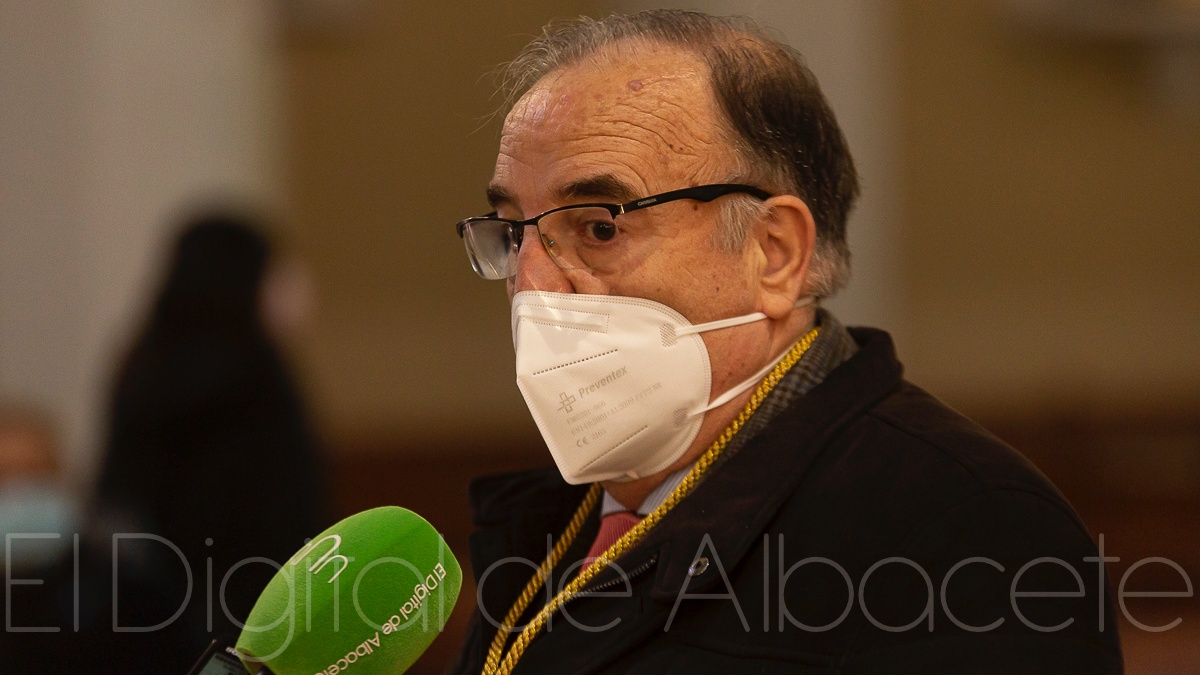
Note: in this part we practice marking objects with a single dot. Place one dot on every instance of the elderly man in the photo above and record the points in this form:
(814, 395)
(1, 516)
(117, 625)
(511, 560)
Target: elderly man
(742, 484)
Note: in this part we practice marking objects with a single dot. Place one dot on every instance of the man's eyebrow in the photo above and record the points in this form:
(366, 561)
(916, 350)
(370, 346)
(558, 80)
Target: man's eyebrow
(497, 195)
(605, 186)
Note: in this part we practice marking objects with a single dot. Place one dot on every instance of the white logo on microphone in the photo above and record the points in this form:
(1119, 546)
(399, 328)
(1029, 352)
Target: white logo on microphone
(325, 559)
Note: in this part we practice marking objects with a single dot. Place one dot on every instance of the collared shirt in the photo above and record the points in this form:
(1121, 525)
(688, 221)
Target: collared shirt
(832, 347)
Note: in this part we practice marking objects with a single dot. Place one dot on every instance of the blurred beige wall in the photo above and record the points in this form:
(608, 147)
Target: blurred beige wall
(1052, 217)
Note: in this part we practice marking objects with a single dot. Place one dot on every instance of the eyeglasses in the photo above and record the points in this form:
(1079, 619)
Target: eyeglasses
(578, 236)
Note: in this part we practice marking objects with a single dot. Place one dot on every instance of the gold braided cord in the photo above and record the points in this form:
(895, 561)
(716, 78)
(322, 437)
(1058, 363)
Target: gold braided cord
(494, 666)
(535, 583)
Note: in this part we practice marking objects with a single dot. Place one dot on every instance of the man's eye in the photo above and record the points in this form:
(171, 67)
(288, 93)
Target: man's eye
(601, 230)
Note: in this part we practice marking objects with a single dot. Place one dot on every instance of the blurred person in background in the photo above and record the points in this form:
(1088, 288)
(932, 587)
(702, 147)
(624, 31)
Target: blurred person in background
(209, 445)
(33, 496)
(38, 519)
(57, 579)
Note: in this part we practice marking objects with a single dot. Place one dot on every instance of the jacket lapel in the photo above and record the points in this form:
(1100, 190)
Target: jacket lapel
(756, 481)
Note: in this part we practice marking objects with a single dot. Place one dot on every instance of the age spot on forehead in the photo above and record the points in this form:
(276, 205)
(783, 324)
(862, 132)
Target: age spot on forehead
(635, 85)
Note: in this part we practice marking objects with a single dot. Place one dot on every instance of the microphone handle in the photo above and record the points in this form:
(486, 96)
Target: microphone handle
(220, 659)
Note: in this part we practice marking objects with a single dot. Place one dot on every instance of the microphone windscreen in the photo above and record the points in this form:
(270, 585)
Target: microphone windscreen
(370, 593)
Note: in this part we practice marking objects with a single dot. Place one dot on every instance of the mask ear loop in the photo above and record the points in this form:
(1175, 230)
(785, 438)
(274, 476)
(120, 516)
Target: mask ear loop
(753, 379)
(738, 389)
(734, 321)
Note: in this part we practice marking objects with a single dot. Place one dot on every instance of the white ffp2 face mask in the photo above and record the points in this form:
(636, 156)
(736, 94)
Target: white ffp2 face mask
(618, 386)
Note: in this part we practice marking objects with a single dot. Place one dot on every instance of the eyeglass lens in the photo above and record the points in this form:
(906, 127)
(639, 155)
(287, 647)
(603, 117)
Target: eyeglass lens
(580, 238)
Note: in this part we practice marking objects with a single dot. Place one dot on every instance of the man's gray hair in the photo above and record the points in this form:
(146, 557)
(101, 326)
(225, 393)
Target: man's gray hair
(781, 128)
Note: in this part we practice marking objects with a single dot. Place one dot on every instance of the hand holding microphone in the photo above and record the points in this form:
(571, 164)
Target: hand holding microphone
(367, 595)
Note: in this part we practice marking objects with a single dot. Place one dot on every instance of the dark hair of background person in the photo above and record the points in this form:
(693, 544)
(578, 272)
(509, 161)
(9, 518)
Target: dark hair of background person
(782, 128)
(208, 443)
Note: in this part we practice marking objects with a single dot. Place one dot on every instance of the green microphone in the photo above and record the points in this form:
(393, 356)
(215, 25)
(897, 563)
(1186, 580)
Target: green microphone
(366, 596)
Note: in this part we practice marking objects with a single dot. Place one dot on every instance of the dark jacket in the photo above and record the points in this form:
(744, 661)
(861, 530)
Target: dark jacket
(867, 529)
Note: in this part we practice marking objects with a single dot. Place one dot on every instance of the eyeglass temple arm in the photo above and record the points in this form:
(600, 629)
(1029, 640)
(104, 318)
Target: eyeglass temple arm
(703, 193)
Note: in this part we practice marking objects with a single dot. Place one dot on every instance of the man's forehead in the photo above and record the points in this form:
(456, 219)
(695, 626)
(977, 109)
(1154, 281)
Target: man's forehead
(613, 88)
(652, 113)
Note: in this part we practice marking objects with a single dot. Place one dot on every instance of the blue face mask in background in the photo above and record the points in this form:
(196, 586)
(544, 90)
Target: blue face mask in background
(38, 520)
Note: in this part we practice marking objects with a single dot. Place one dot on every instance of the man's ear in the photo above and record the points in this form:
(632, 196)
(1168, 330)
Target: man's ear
(785, 236)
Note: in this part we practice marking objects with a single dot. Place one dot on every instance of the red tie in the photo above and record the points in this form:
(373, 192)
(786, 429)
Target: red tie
(612, 527)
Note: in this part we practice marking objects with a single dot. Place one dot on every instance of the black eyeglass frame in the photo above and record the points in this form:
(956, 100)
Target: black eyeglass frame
(702, 193)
